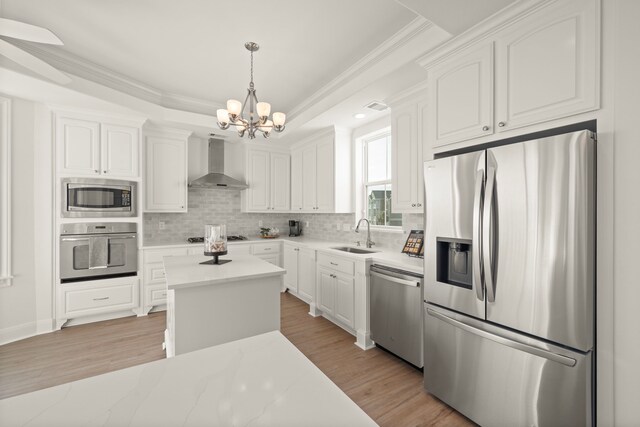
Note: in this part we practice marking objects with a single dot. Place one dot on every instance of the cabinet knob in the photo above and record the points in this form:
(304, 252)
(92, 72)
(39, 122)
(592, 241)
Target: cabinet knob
(502, 124)
(104, 171)
(413, 205)
(96, 171)
(419, 204)
(485, 128)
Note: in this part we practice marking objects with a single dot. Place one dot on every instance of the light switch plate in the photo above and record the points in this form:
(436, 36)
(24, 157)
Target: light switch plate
(338, 226)
(306, 224)
(161, 225)
(260, 223)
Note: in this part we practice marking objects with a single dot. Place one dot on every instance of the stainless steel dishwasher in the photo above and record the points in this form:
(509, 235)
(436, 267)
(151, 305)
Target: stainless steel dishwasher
(396, 312)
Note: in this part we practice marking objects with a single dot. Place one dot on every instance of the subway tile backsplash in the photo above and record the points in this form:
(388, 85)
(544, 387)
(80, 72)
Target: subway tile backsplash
(220, 206)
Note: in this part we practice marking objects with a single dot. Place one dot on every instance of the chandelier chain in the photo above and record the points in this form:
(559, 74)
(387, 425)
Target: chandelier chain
(251, 68)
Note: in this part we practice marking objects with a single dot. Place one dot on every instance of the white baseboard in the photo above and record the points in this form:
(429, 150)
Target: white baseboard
(18, 332)
(44, 326)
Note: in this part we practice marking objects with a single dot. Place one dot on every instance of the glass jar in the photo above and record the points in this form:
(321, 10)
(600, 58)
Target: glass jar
(215, 239)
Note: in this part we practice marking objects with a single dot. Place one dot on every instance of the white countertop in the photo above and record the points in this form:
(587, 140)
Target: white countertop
(262, 380)
(186, 271)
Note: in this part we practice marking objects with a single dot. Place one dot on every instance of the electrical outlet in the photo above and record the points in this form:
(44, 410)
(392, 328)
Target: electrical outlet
(260, 223)
(161, 225)
(338, 227)
(306, 224)
(346, 227)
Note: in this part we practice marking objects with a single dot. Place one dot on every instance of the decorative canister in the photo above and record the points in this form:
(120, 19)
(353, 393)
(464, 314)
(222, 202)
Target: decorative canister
(215, 243)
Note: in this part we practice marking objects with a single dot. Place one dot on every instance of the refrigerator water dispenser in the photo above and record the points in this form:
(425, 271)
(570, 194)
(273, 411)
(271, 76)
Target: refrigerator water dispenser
(454, 262)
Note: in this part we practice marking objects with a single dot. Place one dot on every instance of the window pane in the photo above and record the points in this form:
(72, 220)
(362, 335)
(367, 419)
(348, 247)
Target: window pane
(379, 206)
(377, 160)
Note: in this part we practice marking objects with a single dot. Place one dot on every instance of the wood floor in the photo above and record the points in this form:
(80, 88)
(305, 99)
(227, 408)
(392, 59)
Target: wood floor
(385, 387)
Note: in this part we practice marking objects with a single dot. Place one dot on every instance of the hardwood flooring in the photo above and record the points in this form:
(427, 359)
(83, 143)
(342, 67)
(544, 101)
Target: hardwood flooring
(385, 387)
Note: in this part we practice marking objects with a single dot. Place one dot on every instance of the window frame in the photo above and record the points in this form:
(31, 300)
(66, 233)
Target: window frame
(5, 192)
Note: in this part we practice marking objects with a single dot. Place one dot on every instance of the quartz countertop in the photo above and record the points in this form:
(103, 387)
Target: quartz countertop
(262, 380)
(381, 255)
(186, 271)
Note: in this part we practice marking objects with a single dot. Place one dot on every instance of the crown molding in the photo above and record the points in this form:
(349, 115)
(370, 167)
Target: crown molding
(402, 37)
(483, 30)
(88, 70)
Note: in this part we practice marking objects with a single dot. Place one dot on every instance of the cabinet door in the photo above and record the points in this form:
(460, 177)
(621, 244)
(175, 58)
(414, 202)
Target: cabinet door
(546, 66)
(324, 176)
(119, 150)
(344, 307)
(291, 265)
(258, 179)
(280, 181)
(296, 181)
(78, 146)
(309, 179)
(166, 175)
(405, 160)
(306, 274)
(326, 290)
(461, 96)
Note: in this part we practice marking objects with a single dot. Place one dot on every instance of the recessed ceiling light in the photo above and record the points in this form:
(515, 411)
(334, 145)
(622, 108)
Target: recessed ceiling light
(360, 115)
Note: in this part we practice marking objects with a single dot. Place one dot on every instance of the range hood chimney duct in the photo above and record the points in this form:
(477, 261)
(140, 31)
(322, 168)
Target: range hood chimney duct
(216, 179)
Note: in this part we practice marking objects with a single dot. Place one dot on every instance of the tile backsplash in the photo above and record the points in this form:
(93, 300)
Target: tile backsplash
(219, 206)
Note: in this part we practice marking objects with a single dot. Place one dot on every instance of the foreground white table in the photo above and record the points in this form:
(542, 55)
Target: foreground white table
(258, 381)
(213, 304)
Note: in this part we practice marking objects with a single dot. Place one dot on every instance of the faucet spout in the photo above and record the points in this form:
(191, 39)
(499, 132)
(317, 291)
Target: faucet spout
(357, 230)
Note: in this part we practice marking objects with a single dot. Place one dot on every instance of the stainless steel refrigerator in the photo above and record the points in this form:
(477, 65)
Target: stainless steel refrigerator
(510, 281)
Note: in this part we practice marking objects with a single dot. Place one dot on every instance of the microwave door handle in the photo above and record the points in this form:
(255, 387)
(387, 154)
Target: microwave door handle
(98, 252)
(488, 234)
(476, 252)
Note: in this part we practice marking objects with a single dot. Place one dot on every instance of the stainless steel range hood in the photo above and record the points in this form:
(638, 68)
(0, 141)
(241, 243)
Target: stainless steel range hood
(216, 179)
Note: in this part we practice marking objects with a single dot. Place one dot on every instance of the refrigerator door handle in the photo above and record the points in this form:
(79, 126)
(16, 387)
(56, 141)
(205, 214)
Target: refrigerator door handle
(476, 252)
(488, 230)
(536, 351)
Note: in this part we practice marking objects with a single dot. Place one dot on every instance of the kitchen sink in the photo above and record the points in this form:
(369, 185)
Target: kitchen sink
(354, 250)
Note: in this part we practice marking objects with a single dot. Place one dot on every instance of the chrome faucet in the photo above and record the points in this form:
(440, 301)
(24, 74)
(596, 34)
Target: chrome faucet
(357, 230)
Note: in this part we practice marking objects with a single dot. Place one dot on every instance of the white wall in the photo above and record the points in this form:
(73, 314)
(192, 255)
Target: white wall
(17, 302)
(626, 109)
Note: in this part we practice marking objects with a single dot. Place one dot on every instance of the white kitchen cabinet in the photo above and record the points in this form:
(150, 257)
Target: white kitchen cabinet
(300, 277)
(336, 289)
(268, 177)
(165, 171)
(153, 275)
(322, 166)
(408, 128)
(95, 297)
(296, 181)
(545, 67)
(268, 251)
(290, 263)
(461, 96)
(94, 148)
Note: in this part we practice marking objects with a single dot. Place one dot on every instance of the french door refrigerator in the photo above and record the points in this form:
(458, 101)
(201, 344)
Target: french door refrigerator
(510, 282)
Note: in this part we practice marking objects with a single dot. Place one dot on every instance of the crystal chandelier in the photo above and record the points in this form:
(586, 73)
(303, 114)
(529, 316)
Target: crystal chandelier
(258, 119)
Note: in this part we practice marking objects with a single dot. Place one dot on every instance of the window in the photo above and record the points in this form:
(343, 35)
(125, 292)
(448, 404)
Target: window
(377, 181)
(5, 205)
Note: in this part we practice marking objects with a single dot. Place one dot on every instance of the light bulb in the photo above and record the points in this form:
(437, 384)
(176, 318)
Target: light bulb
(234, 107)
(266, 126)
(223, 116)
(263, 109)
(279, 118)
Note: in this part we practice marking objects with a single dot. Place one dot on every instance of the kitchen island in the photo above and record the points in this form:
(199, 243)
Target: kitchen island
(213, 304)
(263, 380)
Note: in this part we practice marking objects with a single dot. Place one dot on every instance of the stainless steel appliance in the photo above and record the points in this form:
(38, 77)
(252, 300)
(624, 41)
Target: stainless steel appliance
(96, 198)
(509, 286)
(90, 251)
(216, 179)
(396, 312)
(295, 228)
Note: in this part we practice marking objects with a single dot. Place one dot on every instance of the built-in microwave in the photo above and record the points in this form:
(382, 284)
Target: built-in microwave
(96, 198)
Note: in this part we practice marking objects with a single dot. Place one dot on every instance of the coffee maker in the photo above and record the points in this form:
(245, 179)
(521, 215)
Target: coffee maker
(295, 228)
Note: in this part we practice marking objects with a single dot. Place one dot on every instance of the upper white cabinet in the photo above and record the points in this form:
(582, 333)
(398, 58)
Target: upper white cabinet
(268, 177)
(542, 66)
(96, 148)
(408, 126)
(321, 173)
(165, 170)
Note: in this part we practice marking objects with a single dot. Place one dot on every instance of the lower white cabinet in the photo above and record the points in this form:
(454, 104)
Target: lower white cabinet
(300, 278)
(154, 283)
(336, 289)
(269, 251)
(80, 299)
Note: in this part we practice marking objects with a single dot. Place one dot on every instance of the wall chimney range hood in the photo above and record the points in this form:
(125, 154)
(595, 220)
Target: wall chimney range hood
(216, 179)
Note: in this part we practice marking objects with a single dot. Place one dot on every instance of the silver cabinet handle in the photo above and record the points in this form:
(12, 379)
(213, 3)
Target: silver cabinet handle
(488, 231)
(333, 263)
(485, 128)
(502, 124)
(100, 299)
(267, 249)
(412, 283)
(476, 253)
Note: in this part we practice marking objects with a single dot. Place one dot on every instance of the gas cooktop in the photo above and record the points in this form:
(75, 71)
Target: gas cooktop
(229, 238)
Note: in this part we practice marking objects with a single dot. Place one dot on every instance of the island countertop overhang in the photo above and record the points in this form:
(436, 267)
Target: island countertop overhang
(186, 271)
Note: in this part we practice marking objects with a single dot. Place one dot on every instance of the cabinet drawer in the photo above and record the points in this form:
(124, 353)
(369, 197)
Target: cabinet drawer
(156, 255)
(265, 248)
(155, 295)
(154, 273)
(105, 298)
(339, 264)
(239, 249)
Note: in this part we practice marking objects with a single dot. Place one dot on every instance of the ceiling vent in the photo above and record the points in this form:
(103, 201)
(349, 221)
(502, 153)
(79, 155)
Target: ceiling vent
(377, 105)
